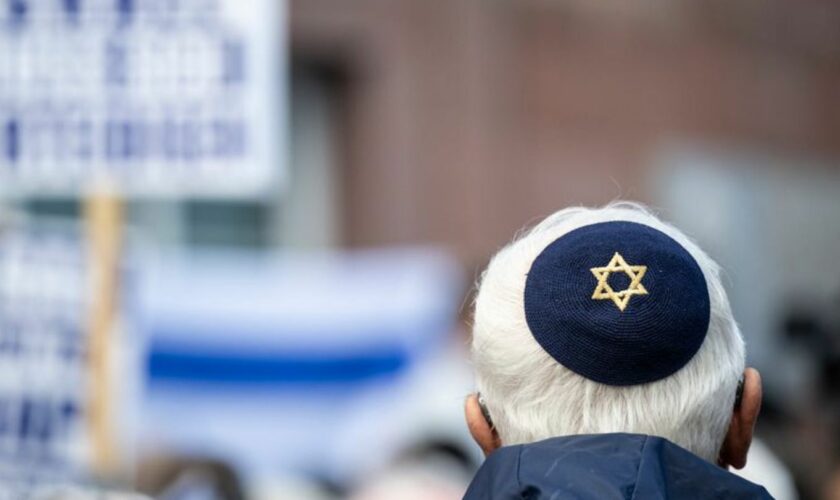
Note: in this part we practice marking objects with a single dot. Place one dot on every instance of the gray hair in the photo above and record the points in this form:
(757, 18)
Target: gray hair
(531, 397)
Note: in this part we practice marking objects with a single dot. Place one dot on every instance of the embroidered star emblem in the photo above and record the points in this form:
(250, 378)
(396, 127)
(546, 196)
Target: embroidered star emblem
(620, 298)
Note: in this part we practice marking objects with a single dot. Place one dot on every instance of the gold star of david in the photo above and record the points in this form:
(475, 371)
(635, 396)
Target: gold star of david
(620, 298)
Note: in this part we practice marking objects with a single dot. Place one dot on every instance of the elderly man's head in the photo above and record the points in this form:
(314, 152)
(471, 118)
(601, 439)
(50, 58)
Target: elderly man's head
(609, 320)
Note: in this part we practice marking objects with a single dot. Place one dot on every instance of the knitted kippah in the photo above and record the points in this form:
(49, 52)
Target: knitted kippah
(617, 302)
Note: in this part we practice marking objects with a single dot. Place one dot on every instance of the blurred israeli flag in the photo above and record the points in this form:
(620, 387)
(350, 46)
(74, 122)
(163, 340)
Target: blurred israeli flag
(290, 361)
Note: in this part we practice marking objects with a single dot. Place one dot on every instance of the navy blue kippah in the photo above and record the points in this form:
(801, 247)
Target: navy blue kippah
(617, 302)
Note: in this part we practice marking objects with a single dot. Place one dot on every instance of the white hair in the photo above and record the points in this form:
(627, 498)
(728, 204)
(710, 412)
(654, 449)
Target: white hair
(531, 397)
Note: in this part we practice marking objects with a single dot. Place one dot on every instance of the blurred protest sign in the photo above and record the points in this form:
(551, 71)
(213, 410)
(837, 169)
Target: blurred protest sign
(45, 386)
(290, 361)
(114, 99)
(147, 98)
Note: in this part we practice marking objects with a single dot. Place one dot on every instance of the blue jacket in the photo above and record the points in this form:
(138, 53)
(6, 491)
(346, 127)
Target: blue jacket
(603, 467)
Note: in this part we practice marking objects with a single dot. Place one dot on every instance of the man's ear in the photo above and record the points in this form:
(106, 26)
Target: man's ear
(740, 433)
(483, 433)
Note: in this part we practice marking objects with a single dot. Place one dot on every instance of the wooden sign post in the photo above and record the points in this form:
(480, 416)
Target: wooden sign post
(103, 214)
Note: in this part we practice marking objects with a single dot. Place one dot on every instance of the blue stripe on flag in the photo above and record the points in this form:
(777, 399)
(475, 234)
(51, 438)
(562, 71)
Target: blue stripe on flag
(168, 363)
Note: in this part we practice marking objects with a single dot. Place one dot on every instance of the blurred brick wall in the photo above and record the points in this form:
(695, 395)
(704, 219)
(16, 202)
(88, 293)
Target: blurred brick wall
(466, 119)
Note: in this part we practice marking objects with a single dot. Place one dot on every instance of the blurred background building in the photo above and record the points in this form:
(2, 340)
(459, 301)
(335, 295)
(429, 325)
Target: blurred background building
(309, 265)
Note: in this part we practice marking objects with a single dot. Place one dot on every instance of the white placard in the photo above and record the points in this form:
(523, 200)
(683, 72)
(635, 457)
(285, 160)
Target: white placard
(43, 375)
(146, 97)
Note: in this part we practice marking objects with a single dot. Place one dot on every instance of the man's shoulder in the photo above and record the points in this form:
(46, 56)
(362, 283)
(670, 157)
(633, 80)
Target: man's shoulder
(599, 466)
